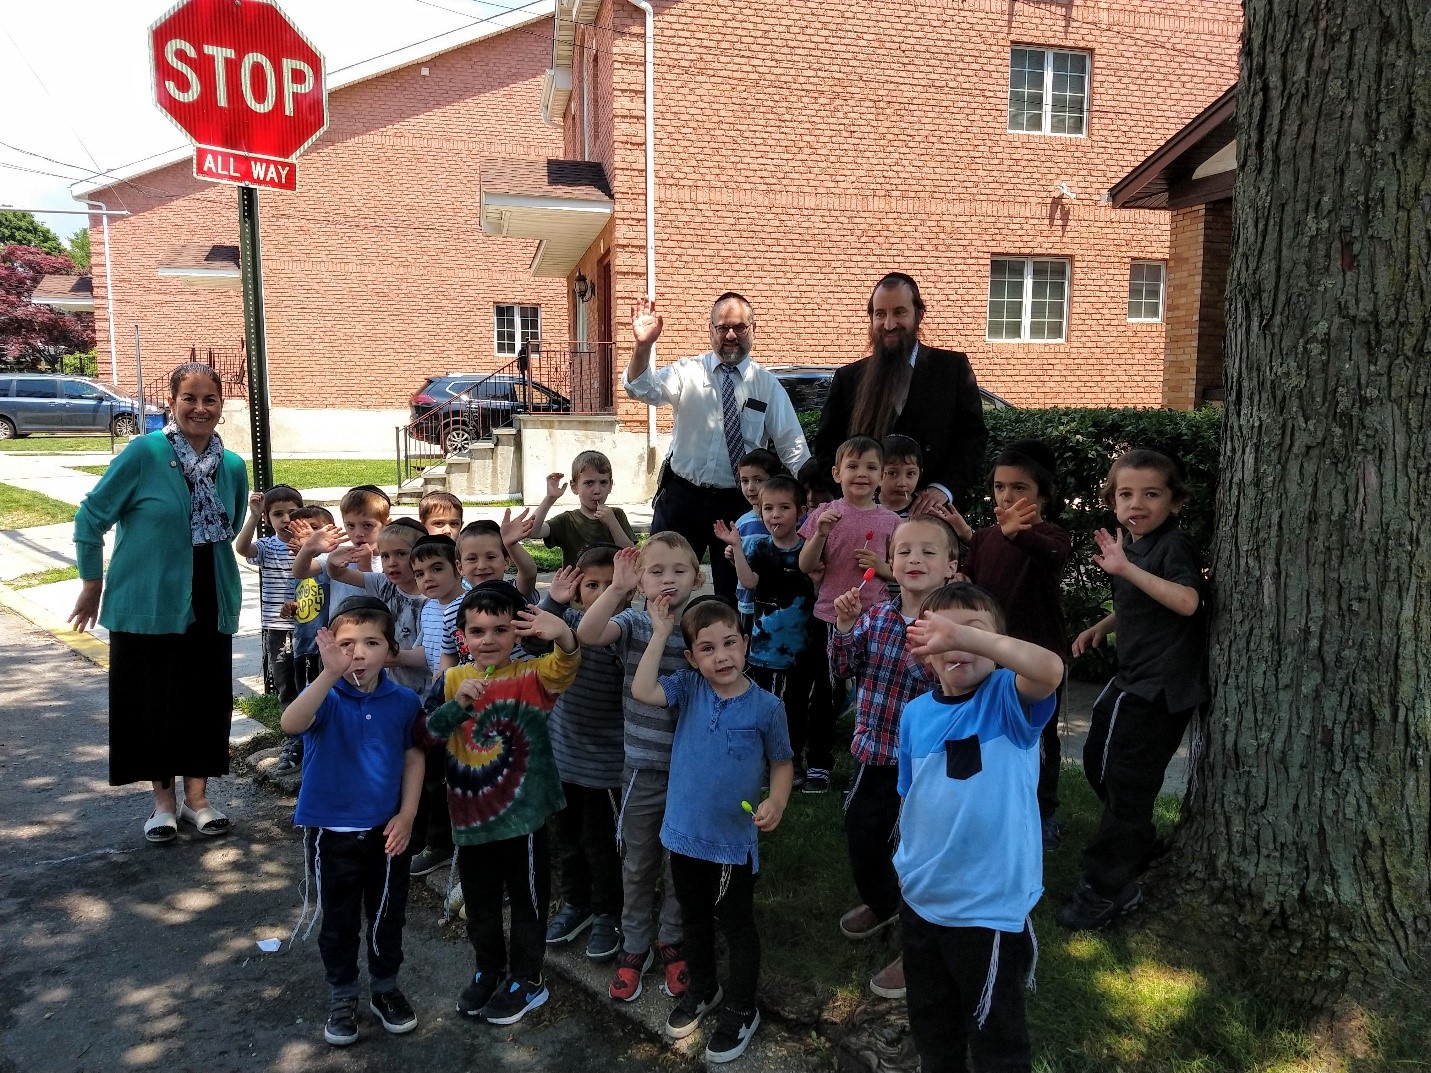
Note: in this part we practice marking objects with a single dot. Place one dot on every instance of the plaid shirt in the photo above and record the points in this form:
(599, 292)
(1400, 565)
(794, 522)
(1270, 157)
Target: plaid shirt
(887, 678)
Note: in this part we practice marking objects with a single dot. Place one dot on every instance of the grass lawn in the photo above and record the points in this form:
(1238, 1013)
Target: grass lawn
(263, 707)
(547, 559)
(316, 472)
(45, 577)
(54, 444)
(20, 509)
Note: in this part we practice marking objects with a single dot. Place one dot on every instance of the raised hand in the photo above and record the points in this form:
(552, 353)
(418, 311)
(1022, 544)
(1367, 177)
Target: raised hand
(626, 570)
(556, 485)
(565, 585)
(827, 521)
(646, 323)
(663, 619)
(298, 533)
(947, 513)
(534, 622)
(516, 529)
(1110, 556)
(469, 692)
(848, 608)
(255, 504)
(335, 659)
(727, 533)
(1017, 518)
(926, 501)
(322, 540)
(343, 555)
(931, 633)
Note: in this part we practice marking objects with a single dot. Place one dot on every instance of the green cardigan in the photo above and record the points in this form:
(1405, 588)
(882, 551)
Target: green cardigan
(152, 570)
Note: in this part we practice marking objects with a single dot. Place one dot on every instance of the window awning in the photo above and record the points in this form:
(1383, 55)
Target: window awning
(563, 204)
(203, 264)
(68, 294)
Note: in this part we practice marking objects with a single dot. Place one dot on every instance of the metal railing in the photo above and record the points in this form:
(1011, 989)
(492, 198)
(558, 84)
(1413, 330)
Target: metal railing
(574, 378)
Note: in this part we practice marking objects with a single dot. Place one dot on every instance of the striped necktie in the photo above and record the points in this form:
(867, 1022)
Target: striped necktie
(730, 417)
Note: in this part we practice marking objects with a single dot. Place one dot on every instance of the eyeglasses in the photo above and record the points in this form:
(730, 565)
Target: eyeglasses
(729, 329)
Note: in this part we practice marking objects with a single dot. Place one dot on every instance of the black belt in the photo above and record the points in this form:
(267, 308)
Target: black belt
(676, 478)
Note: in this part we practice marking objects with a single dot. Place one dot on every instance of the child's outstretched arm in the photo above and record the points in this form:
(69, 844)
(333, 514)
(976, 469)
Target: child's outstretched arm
(545, 626)
(340, 570)
(556, 488)
(1093, 636)
(299, 715)
(514, 531)
(812, 554)
(596, 627)
(1037, 671)
(646, 685)
(319, 542)
(730, 536)
(1180, 599)
(398, 831)
(243, 543)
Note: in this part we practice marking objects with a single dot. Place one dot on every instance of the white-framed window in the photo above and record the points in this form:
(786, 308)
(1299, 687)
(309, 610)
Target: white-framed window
(514, 325)
(1028, 300)
(1145, 291)
(1048, 91)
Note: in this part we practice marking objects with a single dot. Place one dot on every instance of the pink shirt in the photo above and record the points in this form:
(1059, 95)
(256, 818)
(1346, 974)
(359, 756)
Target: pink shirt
(842, 567)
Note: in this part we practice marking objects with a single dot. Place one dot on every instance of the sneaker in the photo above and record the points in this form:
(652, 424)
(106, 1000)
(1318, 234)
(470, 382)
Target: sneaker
(1052, 828)
(342, 1026)
(478, 993)
(394, 1011)
(605, 938)
(291, 758)
(429, 860)
(514, 1000)
(686, 1017)
(570, 922)
(1087, 910)
(674, 962)
(732, 1035)
(626, 984)
(861, 922)
(889, 981)
(817, 781)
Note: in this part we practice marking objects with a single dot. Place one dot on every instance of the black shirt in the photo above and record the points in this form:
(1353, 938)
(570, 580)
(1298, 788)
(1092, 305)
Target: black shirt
(1162, 653)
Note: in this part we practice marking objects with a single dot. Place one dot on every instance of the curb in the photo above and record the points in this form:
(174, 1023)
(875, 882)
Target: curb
(83, 644)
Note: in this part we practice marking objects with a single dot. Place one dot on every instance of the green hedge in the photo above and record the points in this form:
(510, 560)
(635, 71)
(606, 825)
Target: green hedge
(1085, 441)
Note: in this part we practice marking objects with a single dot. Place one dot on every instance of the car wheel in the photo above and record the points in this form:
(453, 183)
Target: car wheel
(7, 428)
(456, 439)
(126, 425)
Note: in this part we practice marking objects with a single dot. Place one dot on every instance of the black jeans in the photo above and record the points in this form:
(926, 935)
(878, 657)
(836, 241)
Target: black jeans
(279, 673)
(945, 971)
(703, 906)
(521, 868)
(586, 846)
(812, 728)
(432, 829)
(1050, 759)
(871, 831)
(354, 874)
(686, 508)
(1130, 741)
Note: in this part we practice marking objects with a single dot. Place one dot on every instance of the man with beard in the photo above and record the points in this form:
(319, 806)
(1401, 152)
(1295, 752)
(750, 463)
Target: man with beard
(723, 405)
(926, 394)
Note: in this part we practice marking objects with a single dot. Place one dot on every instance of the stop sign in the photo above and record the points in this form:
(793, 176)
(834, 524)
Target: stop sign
(236, 75)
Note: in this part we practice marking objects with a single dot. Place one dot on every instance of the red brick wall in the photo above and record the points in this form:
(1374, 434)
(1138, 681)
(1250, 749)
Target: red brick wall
(804, 150)
(1201, 249)
(376, 273)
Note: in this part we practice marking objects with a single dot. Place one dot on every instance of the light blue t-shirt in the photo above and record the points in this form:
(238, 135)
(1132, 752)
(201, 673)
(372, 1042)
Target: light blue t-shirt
(718, 760)
(970, 851)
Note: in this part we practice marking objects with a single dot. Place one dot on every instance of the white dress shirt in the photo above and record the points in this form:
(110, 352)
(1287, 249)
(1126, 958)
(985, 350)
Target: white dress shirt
(692, 389)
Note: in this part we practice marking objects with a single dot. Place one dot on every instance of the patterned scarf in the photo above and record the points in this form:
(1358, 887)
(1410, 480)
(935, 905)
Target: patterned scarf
(208, 524)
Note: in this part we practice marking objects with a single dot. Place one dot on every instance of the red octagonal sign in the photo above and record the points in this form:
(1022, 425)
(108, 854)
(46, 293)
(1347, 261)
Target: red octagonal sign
(237, 77)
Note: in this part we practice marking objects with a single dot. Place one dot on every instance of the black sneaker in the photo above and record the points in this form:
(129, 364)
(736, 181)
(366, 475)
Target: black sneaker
(1052, 830)
(394, 1011)
(732, 1035)
(291, 758)
(342, 1026)
(514, 1000)
(1088, 910)
(605, 938)
(686, 1017)
(817, 781)
(569, 922)
(478, 992)
(429, 860)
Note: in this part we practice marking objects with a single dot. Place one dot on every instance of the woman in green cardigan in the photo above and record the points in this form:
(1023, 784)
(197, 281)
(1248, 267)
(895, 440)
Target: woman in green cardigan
(170, 603)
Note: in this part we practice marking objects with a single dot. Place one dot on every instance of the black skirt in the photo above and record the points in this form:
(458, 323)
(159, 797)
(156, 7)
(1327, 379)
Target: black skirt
(171, 694)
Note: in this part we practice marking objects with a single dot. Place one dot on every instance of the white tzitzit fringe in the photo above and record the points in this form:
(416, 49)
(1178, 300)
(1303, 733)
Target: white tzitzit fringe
(1030, 983)
(317, 885)
(724, 882)
(532, 873)
(986, 997)
(382, 904)
(621, 816)
(447, 891)
(854, 786)
(1108, 741)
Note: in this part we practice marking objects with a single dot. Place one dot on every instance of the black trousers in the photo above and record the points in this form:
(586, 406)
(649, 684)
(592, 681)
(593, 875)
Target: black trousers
(306, 669)
(279, 672)
(686, 508)
(586, 847)
(703, 906)
(1050, 759)
(1130, 742)
(945, 972)
(871, 831)
(432, 829)
(520, 868)
(354, 875)
(812, 727)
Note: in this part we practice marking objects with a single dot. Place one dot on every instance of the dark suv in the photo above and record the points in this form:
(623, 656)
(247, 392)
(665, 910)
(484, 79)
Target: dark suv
(490, 402)
(45, 402)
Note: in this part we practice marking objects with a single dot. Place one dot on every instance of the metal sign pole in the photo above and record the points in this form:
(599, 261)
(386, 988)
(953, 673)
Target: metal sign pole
(139, 376)
(251, 273)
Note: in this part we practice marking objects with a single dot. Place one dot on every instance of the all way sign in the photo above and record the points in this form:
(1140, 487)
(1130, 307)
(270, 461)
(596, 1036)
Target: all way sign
(244, 169)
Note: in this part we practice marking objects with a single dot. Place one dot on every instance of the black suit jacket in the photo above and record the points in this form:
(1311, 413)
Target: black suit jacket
(943, 414)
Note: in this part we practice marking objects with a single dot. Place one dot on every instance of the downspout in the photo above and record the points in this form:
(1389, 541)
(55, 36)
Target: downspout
(650, 186)
(104, 216)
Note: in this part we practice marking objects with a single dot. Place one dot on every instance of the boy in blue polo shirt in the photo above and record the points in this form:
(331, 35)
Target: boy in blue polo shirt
(970, 856)
(727, 728)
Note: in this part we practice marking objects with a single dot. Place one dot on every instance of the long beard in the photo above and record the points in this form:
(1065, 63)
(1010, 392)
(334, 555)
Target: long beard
(890, 348)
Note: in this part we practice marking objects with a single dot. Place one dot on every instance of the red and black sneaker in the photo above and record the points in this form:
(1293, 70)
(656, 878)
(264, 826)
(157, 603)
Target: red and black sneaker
(626, 984)
(674, 963)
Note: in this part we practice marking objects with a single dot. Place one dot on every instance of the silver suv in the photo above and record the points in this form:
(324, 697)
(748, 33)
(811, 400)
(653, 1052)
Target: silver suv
(45, 402)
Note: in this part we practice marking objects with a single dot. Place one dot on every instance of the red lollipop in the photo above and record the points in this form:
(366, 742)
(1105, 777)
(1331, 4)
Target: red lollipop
(869, 576)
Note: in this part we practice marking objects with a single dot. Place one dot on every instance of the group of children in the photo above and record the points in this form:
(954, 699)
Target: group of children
(439, 705)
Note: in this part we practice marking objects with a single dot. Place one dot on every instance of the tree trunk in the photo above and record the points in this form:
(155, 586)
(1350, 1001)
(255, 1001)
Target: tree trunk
(1306, 841)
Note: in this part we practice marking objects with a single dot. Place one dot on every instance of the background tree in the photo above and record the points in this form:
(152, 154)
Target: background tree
(78, 249)
(19, 228)
(32, 335)
(1306, 843)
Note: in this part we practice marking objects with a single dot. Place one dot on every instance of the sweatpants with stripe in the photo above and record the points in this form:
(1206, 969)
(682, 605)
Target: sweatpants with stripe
(1130, 743)
(719, 895)
(871, 833)
(645, 864)
(354, 874)
(520, 868)
(586, 844)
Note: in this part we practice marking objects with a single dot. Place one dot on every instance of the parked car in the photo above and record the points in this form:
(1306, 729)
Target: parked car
(809, 386)
(453, 411)
(45, 402)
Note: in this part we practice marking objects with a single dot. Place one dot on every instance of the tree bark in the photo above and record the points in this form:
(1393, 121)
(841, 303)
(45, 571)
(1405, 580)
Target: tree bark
(1308, 821)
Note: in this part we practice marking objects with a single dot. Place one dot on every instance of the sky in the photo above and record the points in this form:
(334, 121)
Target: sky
(75, 81)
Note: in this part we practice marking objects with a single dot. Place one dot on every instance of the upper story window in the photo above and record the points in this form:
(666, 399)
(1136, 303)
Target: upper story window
(1048, 91)
(1028, 300)
(1145, 291)
(514, 325)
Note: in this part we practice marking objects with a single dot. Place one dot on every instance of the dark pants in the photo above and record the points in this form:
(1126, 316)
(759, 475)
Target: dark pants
(306, 669)
(279, 673)
(586, 846)
(812, 728)
(945, 971)
(354, 874)
(688, 509)
(432, 829)
(871, 831)
(703, 906)
(1137, 738)
(1050, 758)
(521, 868)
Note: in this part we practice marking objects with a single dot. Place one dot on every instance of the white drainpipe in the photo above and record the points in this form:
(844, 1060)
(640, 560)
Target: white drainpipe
(650, 184)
